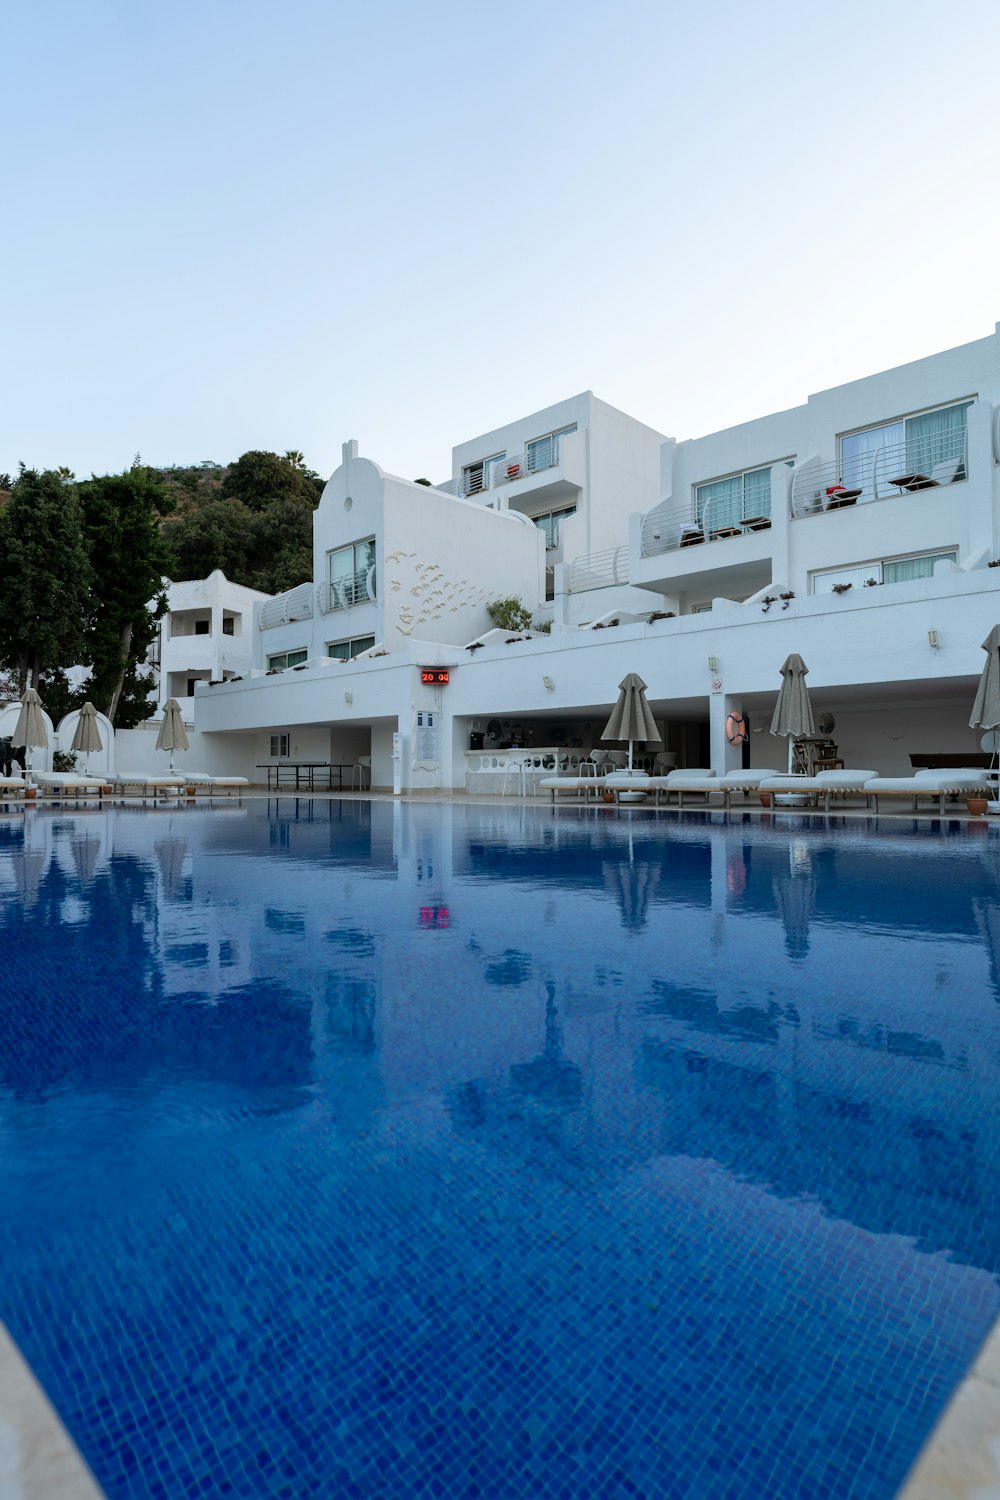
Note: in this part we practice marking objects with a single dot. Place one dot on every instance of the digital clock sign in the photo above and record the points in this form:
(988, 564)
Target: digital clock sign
(434, 675)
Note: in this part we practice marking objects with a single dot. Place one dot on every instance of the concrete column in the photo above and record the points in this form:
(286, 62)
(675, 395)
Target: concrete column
(725, 757)
(979, 438)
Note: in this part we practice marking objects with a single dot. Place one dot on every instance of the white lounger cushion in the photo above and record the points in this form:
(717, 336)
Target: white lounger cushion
(67, 778)
(739, 779)
(926, 784)
(689, 773)
(199, 778)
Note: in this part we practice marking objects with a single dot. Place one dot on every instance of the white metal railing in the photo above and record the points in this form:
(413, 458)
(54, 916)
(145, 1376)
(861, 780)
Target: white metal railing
(342, 593)
(297, 604)
(919, 463)
(538, 457)
(672, 525)
(599, 570)
(534, 460)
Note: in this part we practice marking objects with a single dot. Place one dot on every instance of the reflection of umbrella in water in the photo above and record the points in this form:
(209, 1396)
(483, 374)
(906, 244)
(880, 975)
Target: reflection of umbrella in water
(795, 897)
(171, 854)
(550, 1078)
(793, 715)
(85, 851)
(172, 735)
(631, 718)
(30, 729)
(29, 870)
(633, 885)
(87, 736)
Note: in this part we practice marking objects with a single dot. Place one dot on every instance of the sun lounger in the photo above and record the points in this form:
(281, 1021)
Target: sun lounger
(61, 786)
(11, 786)
(825, 784)
(694, 779)
(741, 781)
(135, 784)
(940, 783)
(198, 784)
(581, 785)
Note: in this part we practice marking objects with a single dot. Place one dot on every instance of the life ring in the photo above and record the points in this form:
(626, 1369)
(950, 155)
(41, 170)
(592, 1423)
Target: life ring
(736, 729)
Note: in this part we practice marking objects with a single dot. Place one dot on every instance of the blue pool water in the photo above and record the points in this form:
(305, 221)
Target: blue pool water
(351, 1149)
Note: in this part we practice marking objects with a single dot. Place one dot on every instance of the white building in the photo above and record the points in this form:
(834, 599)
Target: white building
(868, 517)
(206, 635)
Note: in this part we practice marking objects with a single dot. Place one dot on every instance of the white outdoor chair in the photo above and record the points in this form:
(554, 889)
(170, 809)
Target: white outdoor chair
(361, 773)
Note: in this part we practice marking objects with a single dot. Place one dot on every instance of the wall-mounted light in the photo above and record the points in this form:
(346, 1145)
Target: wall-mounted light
(348, 697)
(548, 684)
(933, 640)
(713, 664)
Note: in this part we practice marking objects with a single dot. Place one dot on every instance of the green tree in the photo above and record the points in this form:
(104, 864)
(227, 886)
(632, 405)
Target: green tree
(45, 576)
(214, 535)
(128, 557)
(281, 546)
(258, 479)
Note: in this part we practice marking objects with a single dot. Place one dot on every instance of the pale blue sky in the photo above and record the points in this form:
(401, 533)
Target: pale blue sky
(235, 225)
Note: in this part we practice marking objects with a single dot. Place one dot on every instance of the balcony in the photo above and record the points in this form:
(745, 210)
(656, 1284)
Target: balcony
(882, 473)
(549, 469)
(346, 591)
(669, 528)
(297, 604)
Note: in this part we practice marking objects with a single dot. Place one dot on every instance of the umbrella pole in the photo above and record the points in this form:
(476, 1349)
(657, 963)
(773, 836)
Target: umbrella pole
(790, 754)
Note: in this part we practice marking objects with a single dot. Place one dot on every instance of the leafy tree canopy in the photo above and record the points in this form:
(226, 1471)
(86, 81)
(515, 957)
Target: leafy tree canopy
(258, 480)
(45, 576)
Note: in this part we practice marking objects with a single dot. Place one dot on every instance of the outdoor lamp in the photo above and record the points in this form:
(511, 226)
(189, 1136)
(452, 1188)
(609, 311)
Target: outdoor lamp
(549, 684)
(932, 639)
(713, 664)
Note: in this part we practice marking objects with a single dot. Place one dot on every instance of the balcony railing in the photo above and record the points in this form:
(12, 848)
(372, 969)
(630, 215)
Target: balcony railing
(599, 570)
(297, 604)
(670, 527)
(342, 593)
(922, 463)
(476, 481)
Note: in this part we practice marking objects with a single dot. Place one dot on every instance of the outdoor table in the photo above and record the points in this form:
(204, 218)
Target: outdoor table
(757, 523)
(724, 531)
(914, 482)
(308, 775)
(841, 498)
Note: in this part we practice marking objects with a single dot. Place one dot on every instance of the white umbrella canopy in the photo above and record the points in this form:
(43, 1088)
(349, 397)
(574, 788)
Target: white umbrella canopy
(632, 718)
(87, 735)
(986, 708)
(793, 715)
(30, 729)
(172, 735)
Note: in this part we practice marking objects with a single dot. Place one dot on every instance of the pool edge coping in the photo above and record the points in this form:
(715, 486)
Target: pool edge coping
(38, 1458)
(960, 1459)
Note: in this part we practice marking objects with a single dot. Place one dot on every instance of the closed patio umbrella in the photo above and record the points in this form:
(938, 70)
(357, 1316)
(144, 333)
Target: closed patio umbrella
(631, 718)
(172, 735)
(87, 736)
(30, 730)
(986, 709)
(793, 715)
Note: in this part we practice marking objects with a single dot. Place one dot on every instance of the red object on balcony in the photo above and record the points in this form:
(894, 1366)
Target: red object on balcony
(513, 470)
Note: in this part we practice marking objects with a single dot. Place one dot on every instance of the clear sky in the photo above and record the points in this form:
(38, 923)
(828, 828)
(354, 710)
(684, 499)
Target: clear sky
(233, 224)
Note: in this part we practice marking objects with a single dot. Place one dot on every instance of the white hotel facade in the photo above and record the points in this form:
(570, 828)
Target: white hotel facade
(869, 517)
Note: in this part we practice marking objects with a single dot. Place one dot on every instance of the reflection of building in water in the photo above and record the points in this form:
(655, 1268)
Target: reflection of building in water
(842, 1043)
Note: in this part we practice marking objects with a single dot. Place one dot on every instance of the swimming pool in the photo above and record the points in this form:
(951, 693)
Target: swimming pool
(350, 1148)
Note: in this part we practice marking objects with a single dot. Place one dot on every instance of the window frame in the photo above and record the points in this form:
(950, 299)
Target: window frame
(547, 437)
(747, 513)
(279, 740)
(358, 645)
(875, 568)
(301, 655)
(484, 466)
(363, 592)
(846, 460)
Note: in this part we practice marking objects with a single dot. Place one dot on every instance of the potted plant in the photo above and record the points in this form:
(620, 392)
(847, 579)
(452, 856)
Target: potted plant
(976, 806)
(842, 588)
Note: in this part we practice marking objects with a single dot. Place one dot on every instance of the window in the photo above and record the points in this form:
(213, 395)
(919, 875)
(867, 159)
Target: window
(543, 452)
(201, 627)
(229, 625)
(549, 523)
(344, 650)
(191, 685)
(279, 746)
(352, 574)
(932, 440)
(286, 659)
(735, 499)
(893, 570)
(478, 476)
